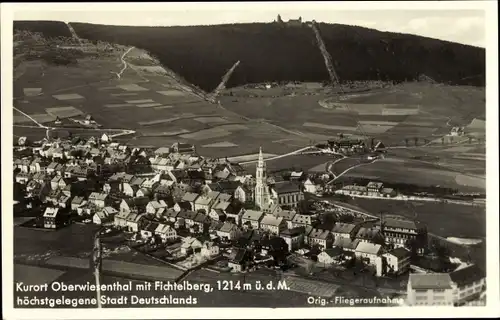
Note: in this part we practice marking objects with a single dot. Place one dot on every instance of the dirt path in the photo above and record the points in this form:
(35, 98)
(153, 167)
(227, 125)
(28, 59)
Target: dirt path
(125, 65)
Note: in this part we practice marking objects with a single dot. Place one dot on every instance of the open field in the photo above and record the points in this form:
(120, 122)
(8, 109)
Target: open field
(223, 144)
(472, 161)
(42, 118)
(414, 172)
(308, 163)
(32, 275)
(64, 112)
(391, 114)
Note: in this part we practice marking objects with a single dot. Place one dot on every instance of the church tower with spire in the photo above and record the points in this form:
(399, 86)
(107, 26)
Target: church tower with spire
(262, 196)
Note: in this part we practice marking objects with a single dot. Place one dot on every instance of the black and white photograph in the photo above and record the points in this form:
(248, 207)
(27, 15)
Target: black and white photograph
(278, 156)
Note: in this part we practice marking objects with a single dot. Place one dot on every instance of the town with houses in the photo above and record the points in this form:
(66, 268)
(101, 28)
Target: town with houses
(202, 211)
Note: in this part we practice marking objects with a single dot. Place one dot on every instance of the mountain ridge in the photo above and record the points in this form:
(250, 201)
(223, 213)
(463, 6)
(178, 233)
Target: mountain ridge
(202, 54)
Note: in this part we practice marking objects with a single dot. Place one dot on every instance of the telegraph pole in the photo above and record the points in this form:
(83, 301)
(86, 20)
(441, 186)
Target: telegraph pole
(97, 261)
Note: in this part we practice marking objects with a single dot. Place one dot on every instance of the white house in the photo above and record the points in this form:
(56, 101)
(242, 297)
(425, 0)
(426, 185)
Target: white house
(50, 217)
(120, 219)
(209, 249)
(191, 198)
(429, 289)
(287, 216)
(398, 260)
(309, 186)
(203, 202)
(368, 252)
(153, 206)
(294, 238)
(190, 244)
(344, 230)
(273, 224)
(228, 231)
(252, 218)
(105, 215)
(105, 138)
(301, 220)
(329, 255)
(320, 237)
(166, 232)
(98, 199)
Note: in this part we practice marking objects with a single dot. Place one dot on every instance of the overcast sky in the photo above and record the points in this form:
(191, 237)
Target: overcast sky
(464, 25)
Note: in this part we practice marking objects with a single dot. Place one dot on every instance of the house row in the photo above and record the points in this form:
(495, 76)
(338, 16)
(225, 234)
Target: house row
(372, 189)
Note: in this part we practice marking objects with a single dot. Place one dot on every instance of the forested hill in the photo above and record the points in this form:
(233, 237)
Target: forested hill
(274, 52)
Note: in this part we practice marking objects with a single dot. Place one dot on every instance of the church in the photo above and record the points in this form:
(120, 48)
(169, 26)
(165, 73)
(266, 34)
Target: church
(285, 193)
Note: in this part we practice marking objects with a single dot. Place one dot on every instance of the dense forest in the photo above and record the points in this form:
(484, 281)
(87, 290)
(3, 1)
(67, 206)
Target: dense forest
(276, 52)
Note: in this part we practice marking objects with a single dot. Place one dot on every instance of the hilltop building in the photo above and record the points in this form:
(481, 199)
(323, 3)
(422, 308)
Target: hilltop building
(291, 22)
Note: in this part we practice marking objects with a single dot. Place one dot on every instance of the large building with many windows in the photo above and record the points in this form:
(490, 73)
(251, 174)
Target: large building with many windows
(404, 233)
(431, 289)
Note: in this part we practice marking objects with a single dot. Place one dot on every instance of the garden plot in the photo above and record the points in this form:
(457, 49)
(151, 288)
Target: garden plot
(223, 144)
(329, 127)
(173, 93)
(118, 105)
(68, 96)
(139, 101)
(32, 275)
(164, 133)
(41, 118)
(64, 112)
(470, 181)
(459, 149)
(409, 130)
(234, 127)
(400, 111)
(207, 134)
(31, 92)
(317, 288)
(163, 107)
(209, 120)
(374, 129)
(251, 157)
(132, 87)
(125, 94)
(163, 273)
(70, 262)
(148, 105)
(158, 121)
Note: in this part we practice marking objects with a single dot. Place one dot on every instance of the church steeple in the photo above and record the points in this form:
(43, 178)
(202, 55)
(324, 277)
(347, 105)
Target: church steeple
(260, 163)
(262, 196)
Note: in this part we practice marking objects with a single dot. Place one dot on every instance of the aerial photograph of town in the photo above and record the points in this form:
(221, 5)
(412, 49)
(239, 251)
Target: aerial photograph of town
(287, 163)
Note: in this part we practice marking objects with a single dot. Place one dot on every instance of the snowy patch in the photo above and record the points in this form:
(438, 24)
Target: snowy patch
(464, 241)
(69, 96)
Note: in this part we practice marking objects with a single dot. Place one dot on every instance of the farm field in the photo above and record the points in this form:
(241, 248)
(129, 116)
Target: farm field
(299, 162)
(465, 158)
(418, 173)
(392, 114)
(157, 107)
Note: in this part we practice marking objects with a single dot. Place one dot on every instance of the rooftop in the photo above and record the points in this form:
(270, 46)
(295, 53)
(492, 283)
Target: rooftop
(271, 220)
(370, 248)
(430, 281)
(343, 227)
(467, 275)
(252, 215)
